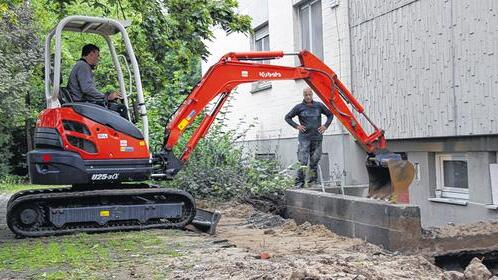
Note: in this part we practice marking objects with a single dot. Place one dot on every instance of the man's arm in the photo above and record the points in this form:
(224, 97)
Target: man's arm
(290, 115)
(87, 85)
(327, 113)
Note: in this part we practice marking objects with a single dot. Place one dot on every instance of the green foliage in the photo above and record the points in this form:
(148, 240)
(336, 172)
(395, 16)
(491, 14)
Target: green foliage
(20, 53)
(13, 183)
(168, 39)
(172, 33)
(221, 169)
(10, 179)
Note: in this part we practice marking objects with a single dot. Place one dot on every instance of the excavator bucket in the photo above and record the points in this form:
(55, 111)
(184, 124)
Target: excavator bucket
(389, 177)
(206, 221)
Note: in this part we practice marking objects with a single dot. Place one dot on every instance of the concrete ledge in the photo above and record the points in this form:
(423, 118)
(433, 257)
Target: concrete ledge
(393, 226)
(448, 201)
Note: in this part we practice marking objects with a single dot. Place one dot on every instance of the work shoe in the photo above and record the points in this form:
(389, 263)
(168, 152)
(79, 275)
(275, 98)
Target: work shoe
(299, 185)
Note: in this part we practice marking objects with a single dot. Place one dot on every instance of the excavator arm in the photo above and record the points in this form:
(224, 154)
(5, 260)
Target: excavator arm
(237, 68)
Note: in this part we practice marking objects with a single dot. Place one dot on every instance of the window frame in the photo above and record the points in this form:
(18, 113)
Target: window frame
(449, 192)
(265, 156)
(308, 5)
(258, 35)
(261, 37)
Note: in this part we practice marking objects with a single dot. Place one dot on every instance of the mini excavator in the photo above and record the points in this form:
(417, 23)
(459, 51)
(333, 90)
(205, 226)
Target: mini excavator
(106, 159)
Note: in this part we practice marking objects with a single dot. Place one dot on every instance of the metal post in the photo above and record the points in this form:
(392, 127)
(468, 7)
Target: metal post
(117, 65)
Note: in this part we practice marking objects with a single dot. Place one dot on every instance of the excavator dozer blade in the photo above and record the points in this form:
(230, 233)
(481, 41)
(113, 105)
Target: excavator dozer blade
(206, 221)
(389, 178)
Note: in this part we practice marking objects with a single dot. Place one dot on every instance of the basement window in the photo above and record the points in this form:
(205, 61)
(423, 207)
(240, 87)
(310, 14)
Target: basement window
(265, 156)
(452, 176)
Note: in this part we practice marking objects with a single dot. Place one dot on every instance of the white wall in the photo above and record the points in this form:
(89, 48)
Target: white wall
(271, 105)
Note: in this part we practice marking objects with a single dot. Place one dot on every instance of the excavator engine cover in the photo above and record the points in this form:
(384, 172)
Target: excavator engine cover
(389, 177)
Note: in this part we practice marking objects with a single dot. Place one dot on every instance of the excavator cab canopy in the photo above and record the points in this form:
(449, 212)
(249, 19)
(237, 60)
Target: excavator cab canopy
(106, 28)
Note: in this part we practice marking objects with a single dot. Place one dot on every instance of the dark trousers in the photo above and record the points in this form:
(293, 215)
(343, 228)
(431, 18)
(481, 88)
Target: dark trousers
(308, 150)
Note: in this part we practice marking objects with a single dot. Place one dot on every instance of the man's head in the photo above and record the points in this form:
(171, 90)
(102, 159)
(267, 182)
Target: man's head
(308, 95)
(91, 54)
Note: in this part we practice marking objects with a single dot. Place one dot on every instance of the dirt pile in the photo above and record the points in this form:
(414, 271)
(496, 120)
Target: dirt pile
(455, 231)
(228, 209)
(475, 270)
(262, 220)
(309, 251)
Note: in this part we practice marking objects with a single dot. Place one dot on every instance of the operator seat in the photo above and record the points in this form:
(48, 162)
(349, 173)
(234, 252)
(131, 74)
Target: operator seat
(65, 96)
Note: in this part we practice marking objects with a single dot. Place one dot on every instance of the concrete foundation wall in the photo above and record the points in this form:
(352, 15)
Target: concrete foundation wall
(395, 227)
(344, 154)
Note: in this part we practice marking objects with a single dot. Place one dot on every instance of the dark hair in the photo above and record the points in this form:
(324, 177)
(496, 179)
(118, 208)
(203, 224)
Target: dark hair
(88, 48)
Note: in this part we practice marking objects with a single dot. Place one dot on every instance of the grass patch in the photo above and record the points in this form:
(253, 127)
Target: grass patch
(12, 188)
(86, 256)
(73, 252)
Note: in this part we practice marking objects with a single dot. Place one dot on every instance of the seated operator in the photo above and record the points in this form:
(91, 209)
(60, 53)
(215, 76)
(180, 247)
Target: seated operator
(81, 84)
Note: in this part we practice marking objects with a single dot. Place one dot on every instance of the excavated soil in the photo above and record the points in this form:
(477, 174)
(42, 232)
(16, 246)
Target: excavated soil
(464, 230)
(288, 251)
(254, 245)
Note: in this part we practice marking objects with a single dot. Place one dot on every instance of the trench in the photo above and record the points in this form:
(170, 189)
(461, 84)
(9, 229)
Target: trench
(459, 261)
(395, 227)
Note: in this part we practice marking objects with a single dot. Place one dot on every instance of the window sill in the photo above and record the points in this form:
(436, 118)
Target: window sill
(448, 201)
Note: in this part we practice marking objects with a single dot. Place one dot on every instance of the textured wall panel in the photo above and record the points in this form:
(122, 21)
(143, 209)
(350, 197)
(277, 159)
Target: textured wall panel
(476, 65)
(402, 66)
(365, 10)
(427, 68)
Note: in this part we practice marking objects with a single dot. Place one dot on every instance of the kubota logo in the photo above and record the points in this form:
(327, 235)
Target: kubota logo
(270, 74)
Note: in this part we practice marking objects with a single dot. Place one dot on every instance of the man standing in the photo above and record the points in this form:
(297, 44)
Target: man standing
(82, 86)
(310, 136)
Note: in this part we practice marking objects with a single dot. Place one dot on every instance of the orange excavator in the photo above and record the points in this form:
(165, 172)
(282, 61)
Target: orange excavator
(106, 159)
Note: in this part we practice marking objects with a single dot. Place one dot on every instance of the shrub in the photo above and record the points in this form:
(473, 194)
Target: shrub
(221, 169)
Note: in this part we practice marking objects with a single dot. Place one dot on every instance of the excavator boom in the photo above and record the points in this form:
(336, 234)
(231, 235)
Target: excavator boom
(235, 68)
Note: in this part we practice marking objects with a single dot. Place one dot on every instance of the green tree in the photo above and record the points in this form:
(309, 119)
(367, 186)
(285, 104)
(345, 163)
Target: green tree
(168, 38)
(173, 34)
(20, 53)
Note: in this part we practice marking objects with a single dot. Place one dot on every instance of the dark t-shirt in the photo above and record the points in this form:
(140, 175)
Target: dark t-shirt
(310, 116)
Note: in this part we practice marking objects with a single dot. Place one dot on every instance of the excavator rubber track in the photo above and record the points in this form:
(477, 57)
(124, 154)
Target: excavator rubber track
(59, 211)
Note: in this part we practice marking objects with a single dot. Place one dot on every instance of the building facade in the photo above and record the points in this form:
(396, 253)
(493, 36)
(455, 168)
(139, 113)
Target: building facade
(426, 72)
